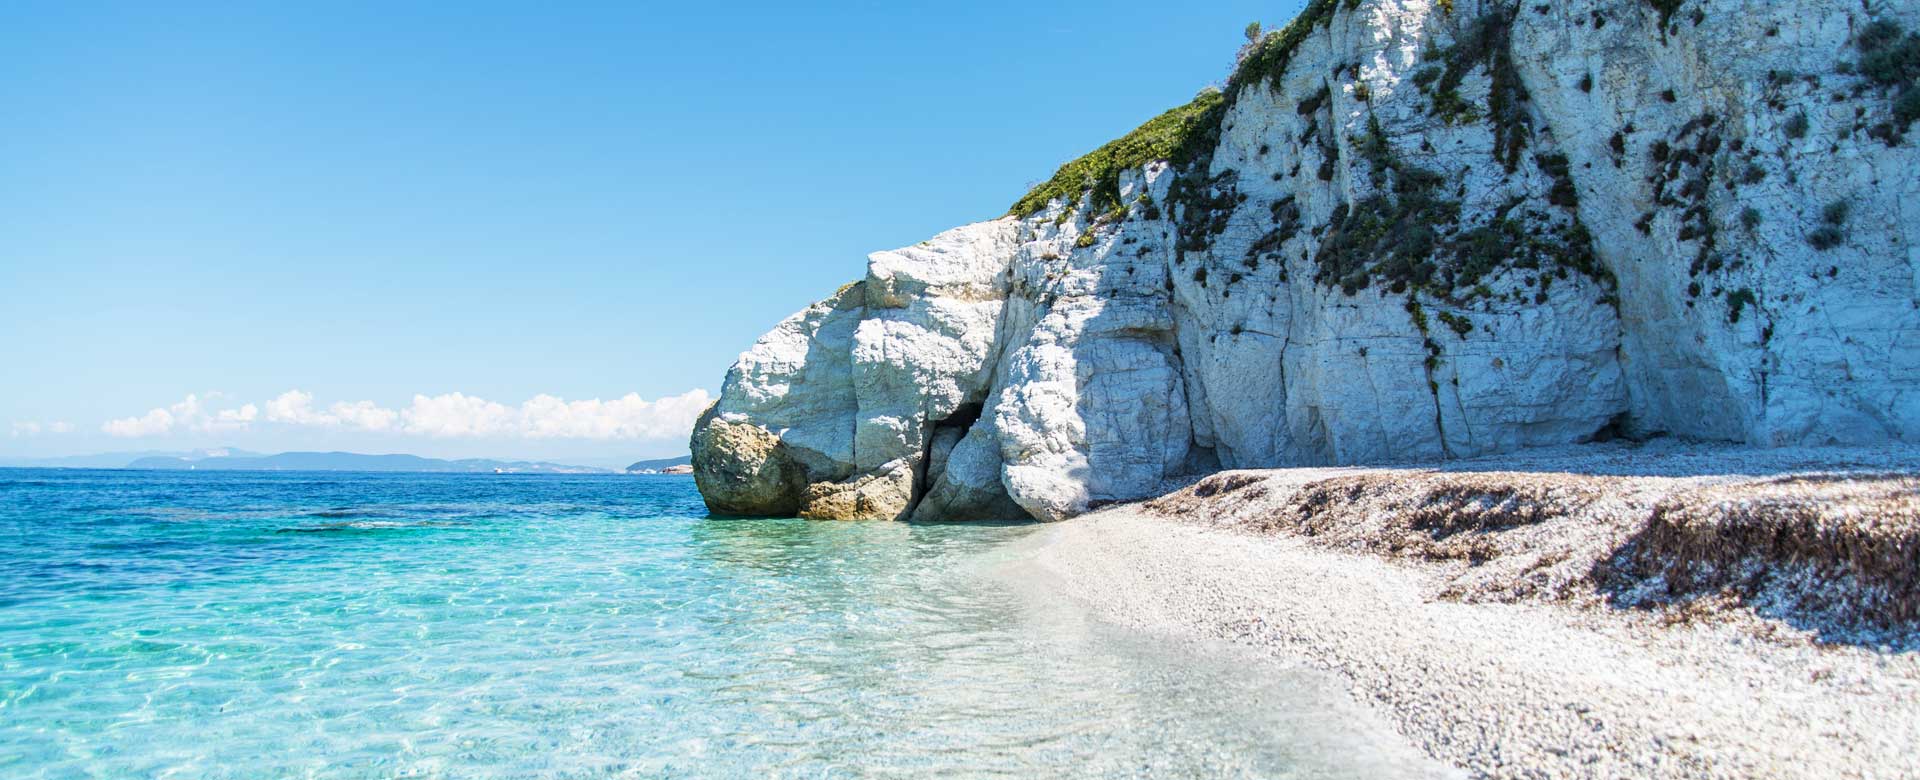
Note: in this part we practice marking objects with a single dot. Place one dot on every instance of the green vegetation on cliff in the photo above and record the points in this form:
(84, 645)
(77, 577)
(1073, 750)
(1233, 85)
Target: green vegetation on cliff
(1176, 135)
(1270, 57)
(1890, 60)
(1181, 134)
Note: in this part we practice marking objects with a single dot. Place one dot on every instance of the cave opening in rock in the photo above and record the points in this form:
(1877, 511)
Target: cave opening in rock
(942, 435)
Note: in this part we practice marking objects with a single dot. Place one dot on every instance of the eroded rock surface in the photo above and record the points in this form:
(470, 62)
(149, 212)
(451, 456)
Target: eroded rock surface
(1406, 230)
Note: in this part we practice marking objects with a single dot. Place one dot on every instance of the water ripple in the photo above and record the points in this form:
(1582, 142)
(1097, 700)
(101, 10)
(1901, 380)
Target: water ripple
(351, 626)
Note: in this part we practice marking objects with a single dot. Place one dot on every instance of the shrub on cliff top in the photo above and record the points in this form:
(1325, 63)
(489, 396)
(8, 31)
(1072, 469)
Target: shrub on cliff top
(1182, 135)
(1274, 52)
(1177, 135)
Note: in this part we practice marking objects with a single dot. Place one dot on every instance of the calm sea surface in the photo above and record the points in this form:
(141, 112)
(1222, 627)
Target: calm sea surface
(213, 625)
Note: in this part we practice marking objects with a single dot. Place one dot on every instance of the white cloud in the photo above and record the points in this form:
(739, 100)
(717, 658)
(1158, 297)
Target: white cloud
(364, 415)
(626, 417)
(549, 417)
(450, 415)
(190, 414)
(456, 414)
(35, 428)
(153, 423)
(234, 418)
(295, 407)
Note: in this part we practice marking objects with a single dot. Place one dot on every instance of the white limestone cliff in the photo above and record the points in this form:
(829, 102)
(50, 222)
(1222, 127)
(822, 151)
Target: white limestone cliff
(1407, 230)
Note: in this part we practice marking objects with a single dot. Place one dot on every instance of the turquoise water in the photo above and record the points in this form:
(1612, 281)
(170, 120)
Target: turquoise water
(211, 625)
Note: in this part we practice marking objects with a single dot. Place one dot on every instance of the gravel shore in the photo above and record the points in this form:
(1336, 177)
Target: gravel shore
(1494, 646)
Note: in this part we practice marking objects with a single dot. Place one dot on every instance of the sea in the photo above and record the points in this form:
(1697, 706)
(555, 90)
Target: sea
(372, 625)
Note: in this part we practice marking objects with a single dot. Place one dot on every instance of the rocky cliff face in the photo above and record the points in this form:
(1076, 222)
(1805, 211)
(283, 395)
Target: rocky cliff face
(1405, 230)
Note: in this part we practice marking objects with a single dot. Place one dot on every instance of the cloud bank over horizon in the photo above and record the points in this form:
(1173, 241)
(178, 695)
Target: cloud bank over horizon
(446, 416)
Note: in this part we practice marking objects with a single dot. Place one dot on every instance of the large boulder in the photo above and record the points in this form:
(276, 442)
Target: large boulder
(854, 388)
(741, 469)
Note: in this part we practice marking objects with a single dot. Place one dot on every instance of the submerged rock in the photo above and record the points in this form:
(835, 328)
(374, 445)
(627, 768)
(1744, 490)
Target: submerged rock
(1406, 230)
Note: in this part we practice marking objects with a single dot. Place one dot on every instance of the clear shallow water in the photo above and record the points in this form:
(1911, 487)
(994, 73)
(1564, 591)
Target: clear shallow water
(207, 625)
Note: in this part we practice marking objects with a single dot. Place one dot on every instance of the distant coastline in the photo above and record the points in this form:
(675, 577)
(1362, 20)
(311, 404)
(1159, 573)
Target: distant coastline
(240, 460)
(353, 461)
(679, 465)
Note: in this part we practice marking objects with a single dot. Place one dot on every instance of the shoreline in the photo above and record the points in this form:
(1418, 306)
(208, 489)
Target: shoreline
(1503, 681)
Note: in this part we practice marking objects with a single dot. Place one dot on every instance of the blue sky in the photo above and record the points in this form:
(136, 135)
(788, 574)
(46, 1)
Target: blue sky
(383, 204)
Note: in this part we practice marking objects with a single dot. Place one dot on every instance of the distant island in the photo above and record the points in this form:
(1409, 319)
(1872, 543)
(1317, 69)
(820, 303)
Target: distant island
(115, 460)
(353, 461)
(679, 465)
